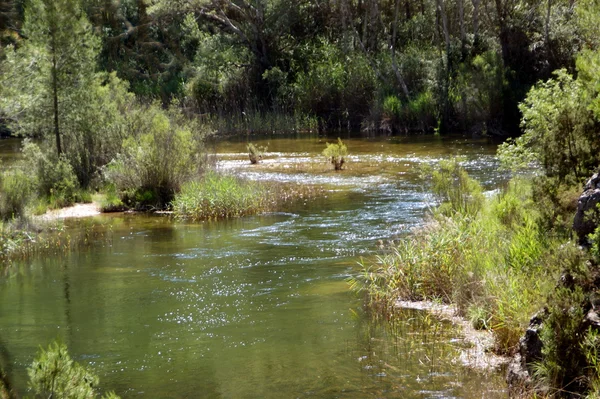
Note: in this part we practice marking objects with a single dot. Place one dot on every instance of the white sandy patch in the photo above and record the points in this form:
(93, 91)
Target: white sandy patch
(75, 211)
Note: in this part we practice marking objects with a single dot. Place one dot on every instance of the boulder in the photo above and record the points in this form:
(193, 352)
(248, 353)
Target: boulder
(520, 368)
(583, 224)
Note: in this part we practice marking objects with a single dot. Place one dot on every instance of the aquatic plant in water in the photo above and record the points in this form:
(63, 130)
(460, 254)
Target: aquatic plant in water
(336, 153)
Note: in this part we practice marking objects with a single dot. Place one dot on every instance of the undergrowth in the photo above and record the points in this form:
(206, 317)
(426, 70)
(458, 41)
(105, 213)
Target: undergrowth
(486, 255)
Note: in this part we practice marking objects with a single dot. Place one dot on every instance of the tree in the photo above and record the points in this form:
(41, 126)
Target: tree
(47, 79)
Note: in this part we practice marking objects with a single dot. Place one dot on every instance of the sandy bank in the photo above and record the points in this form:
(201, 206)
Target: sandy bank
(479, 343)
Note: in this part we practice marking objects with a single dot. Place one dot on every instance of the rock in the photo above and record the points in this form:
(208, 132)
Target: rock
(530, 351)
(583, 225)
(592, 318)
(530, 347)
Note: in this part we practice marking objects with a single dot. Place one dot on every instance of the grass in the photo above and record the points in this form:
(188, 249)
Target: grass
(219, 196)
(255, 121)
(489, 258)
(20, 240)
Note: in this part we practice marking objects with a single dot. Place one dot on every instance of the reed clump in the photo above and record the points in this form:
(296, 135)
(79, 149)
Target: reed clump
(486, 255)
(20, 240)
(221, 196)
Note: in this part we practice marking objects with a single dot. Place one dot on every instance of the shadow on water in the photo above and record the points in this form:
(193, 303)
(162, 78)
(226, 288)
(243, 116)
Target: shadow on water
(256, 306)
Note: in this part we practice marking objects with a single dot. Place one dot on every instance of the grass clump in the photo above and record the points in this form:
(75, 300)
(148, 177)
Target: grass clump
(218, 196)
(336, 153)
(486, 255)
(221, 196)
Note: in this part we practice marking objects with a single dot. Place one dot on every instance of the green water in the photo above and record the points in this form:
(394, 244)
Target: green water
(255, 307)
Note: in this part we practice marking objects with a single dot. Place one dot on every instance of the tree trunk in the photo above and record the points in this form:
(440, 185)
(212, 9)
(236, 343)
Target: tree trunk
(476, 20)
(393, 50)
(55, 93)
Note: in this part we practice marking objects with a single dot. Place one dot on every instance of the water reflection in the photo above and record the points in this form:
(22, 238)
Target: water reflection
(251, 307)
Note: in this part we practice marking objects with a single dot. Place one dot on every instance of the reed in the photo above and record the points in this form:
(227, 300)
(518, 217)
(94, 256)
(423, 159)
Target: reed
(221, 196)
(492, 261)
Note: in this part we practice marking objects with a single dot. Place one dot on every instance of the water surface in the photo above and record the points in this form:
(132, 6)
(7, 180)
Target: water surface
(255, 307)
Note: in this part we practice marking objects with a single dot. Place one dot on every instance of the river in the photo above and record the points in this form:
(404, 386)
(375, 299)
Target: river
(256, 307)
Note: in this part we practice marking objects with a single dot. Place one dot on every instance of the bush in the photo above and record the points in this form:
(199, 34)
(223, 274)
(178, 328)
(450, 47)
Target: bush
(255, 153)
(455, 189)
(54, 178)
(336, 154)
(165, 151)
(54, 374)
(16, 191)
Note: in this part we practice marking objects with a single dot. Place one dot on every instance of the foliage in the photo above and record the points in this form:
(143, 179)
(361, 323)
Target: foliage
(559, 130)
(165, 151)
(336, 153)
(54, 374)
(16, 188)
(54, 176)
(454, 189)
(561, 334)
(255, 153)
(48, 76)
(490, 259)
(218, 196)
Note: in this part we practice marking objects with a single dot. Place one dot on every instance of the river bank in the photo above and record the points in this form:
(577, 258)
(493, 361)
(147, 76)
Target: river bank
(255, 306)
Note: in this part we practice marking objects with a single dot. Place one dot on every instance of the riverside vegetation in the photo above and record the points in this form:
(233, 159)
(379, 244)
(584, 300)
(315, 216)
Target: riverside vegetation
(120, 97)
(53, 373)
(505, 257)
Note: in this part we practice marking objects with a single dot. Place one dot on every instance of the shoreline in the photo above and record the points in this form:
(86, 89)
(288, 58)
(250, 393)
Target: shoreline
(74, 211)
(477, 354)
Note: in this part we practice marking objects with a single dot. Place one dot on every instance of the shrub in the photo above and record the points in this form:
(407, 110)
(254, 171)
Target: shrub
(336, 153)
(165, 151)
(455, 189)
(255, 153)
(392, 107)
(54, 374)
(54, 177)
(16, 191)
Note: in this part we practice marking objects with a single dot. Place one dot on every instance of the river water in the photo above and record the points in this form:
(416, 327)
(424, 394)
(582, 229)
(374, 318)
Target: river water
(256, 307)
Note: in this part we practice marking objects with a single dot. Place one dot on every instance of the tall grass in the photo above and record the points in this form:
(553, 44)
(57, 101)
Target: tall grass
(220, 196)
(486, 255)
(20, 241)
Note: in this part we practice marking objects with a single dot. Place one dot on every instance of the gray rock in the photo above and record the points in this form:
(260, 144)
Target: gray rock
(584, 225)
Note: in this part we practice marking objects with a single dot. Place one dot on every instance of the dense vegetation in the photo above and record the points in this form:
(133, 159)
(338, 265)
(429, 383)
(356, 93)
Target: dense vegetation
(394, 65)
(121, 95)
(503, 258)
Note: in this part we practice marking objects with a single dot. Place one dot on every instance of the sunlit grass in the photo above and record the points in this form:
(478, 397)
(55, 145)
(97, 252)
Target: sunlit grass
(494, 264)
(220, 196)
(20, 240)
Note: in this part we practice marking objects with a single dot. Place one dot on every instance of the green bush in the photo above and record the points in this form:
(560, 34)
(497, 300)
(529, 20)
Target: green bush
(455, 189)
(392, 107)
(165, 151)
(255, 153)
(336, 153)
(15, 193)
(54, 177)
(54, 374)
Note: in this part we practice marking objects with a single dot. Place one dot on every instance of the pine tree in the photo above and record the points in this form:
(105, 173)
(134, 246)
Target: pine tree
(47, 78)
